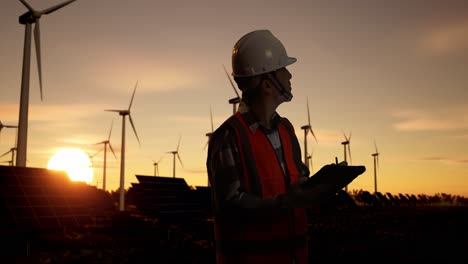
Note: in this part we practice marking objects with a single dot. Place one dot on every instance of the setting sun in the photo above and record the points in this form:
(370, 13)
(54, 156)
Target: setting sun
(75, 162)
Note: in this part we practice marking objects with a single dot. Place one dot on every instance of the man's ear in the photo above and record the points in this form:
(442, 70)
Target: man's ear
(267, 85)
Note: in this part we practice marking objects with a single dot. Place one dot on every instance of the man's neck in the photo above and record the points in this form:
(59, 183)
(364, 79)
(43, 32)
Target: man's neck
(264, 113)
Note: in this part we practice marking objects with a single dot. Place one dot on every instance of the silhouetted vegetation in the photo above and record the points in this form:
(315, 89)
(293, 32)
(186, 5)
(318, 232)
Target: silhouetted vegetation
(358, 226)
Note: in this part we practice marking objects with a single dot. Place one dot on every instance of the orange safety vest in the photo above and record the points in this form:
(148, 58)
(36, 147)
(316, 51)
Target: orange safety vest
(278, 236)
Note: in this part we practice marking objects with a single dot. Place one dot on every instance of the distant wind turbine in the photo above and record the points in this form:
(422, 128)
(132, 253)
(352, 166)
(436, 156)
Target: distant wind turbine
(212, 129)
(105, 143)
(12, 151)
(27, 19)
(376, 165)
(235, 100)
(307, 128)
(156, 164)
(124, 113)
(175, 153)
(91, 156)
(347, 146)
(6, 126)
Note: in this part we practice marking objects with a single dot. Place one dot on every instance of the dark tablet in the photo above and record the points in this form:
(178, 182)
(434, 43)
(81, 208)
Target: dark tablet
(337, 175)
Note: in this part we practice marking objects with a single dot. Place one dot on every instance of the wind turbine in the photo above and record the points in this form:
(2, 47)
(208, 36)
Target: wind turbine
(347, 146)
(376, 164)
(235, 100)
(5, 126)
(124, 113)
(12, 151)
(307, 128)
(106, 142)
(212, 129)
(155, 164)
(175, 153)
(91, 156)
(27, 19)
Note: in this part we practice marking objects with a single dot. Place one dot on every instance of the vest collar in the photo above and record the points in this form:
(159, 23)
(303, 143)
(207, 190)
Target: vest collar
(252, 121)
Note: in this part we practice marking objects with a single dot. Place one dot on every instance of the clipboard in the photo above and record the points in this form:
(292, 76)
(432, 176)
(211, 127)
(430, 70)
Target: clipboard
(336, 175)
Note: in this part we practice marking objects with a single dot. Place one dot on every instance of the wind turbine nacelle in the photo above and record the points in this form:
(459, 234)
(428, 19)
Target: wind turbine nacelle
(27, 18)
(234, 100)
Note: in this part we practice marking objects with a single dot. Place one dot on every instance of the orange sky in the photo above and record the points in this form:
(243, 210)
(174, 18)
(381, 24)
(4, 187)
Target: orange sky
(389, 71)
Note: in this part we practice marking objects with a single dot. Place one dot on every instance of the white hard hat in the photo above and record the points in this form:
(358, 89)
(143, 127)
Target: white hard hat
(259, 52)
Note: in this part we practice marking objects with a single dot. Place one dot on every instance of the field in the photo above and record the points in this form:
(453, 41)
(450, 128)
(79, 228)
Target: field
(432, 230)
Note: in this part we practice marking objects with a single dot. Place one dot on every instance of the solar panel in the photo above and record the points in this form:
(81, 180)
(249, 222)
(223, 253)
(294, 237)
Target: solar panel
(168, 199)
(37, 199)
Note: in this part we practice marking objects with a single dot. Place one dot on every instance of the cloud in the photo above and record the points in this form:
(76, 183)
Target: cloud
(152, 74)
(448, 119)
(57, 112)
(449, 39)
(444, 159)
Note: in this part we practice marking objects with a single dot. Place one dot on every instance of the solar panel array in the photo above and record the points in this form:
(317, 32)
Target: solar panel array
(33, 199)
(169, 199)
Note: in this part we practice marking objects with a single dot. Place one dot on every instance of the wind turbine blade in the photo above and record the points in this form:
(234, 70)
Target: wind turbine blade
(134, 130)
(308, 112)
(58, 6)
(211, 118)
(349, 152)
(206, 144)
(110, 131)
(178, 157)
(377, 160)
(133, 95)
(37, 42)
(313, 134)
(27, 5)
(6, 153)
(113, 110)
(178, 143)
(160, 158)
(110, 146)
(349, 138)
(375, 144)
(232, 84)
(92, 155)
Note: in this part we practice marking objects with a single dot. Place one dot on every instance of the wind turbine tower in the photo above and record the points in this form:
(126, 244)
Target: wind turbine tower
(212, 130)
(376, 164)
(309, 163)
(235, 100)
(307, 128)
(174, 154)
(209, 137)
(106, 143)
(124, 113)
(27, 19)
(347, 147)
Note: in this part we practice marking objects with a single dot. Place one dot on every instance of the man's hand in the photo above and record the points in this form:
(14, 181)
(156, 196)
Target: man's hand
(296, 196)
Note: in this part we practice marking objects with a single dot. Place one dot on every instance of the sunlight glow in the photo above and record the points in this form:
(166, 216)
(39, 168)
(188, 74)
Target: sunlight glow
(75, 162)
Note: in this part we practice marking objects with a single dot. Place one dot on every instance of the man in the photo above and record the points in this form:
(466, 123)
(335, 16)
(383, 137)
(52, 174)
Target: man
(254, 163)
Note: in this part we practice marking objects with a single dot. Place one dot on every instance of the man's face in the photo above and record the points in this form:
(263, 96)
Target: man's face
(284, 78)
